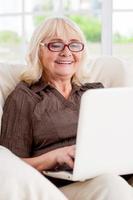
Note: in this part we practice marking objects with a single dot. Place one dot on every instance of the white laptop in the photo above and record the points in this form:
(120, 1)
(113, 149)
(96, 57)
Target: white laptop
(105, 135)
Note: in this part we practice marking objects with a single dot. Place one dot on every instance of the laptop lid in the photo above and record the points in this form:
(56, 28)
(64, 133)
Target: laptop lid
(105, 133)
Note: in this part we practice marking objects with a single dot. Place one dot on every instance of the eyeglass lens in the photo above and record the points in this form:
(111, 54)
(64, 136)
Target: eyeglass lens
(59, 46)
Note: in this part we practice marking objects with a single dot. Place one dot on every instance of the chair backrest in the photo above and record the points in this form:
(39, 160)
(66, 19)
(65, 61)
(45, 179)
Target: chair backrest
(9, 77)
(108, 70)
(1, 110)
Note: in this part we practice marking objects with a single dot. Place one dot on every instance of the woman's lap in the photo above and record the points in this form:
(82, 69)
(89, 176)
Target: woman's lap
(104, 187)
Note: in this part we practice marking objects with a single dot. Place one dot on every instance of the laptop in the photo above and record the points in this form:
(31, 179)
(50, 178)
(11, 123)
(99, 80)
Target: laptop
(104, 141)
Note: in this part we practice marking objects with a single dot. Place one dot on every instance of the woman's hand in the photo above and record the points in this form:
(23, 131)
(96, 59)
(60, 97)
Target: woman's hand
(53, 158)
(63, 155)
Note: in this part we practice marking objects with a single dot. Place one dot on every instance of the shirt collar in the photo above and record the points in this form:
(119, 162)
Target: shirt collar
(42, 85)
(39, 86)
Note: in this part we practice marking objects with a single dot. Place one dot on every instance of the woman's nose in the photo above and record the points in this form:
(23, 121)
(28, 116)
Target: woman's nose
(65, 52)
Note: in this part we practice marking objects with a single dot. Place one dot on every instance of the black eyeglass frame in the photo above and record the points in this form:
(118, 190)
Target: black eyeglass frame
(64, 45)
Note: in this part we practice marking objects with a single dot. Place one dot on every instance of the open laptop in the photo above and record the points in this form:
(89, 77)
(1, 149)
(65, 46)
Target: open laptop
(105, 135)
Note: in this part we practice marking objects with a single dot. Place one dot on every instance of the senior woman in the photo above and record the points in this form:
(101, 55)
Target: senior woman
(40, 116)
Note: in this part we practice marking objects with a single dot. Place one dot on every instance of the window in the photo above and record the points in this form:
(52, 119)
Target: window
(122, 28)
(106, 24)
(20, 17)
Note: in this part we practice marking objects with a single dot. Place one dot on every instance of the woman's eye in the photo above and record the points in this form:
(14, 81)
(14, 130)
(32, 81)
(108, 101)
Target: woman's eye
(75, 45)
(56, 45)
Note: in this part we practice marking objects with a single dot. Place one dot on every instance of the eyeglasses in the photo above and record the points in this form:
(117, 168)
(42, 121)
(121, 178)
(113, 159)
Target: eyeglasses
(60, 46)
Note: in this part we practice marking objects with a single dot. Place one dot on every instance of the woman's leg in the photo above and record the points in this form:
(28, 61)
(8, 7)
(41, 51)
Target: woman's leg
(104, 187)
(20, 181)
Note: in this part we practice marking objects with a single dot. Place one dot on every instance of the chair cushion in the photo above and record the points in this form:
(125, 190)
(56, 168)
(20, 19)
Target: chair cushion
(108, 70)
(19, 180)
(1, 103)
(9, 77)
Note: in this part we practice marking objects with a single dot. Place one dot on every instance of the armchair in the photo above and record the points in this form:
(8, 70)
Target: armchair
(111, 71)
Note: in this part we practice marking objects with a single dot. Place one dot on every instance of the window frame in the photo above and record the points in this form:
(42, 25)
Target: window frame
(106, 21)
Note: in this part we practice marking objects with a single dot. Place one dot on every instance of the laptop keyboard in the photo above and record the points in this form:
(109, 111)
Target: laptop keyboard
(63, 167)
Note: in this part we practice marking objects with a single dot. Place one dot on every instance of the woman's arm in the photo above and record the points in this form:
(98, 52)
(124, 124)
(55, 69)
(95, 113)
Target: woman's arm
(51, 159)
(17, 135)
(16, 130)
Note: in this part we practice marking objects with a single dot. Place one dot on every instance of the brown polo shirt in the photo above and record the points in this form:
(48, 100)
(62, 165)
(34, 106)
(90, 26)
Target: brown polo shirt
(38, 119)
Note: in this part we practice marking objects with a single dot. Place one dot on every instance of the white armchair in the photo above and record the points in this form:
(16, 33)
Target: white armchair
(111, 71)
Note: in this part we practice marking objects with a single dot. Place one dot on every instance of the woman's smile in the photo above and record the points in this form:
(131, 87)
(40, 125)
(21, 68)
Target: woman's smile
(67, 62)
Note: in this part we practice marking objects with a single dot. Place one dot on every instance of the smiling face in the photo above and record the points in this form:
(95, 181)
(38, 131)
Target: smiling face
(61, 64)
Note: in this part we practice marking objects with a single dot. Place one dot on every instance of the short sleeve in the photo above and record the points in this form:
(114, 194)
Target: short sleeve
(16, 130)
(94, 85)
